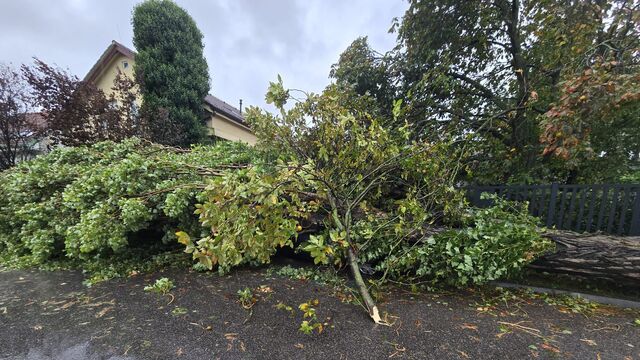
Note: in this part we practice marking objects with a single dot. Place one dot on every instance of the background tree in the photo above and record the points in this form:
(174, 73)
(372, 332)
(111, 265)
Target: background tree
(366, 72)
(593, 122)
(171, 70)
(490, 71)
(78, 113)
(19, 133)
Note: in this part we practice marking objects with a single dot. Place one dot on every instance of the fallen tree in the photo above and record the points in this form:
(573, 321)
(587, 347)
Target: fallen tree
(376, 191)
(325, 167)
(90, 202)
(601, 256)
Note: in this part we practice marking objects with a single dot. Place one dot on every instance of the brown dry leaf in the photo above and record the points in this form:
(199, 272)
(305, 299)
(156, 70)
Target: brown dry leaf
(469, 326)
(299, 346)
(242, 347)
(399, 349)
(463, 354)
(98, 304)
(589, 342)
(418, 324)
(264, 289)
(179, 352)
(65, 306)
(103, 312)
(37, 327)
(550, 348)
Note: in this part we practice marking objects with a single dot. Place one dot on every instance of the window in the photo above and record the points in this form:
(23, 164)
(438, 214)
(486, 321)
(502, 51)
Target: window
(125, 64)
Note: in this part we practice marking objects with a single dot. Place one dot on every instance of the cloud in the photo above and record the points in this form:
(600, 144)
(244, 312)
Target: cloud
(247, 42)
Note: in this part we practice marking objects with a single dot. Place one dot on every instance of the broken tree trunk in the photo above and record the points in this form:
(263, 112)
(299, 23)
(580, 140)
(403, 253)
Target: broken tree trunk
(598, 255)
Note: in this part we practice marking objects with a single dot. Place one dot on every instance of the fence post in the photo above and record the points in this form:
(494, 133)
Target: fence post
(635, 217)
(552, 204)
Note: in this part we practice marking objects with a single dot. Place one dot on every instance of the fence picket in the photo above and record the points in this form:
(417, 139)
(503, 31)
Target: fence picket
(582, 208)
(583, 196)
(592, 202)
(614, 207)
(552, 205)
(635, 216)
(623, 212)
(561, 209)
(603, 204)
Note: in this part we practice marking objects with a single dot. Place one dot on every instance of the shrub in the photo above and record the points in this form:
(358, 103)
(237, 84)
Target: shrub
(162, 286)
(497, 243)
(87, 202)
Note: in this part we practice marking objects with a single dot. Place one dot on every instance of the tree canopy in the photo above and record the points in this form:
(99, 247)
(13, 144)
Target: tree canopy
(537, 86)
(78, 113)
(171, 70)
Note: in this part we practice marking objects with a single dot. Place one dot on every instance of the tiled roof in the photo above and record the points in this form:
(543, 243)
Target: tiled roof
(226, 109)
(113, 49)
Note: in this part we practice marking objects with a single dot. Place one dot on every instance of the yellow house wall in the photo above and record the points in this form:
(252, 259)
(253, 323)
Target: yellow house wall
(106, 79)
(225, 128)
(219, 125)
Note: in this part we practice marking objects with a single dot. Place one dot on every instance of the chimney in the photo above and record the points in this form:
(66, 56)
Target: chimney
(240, 106)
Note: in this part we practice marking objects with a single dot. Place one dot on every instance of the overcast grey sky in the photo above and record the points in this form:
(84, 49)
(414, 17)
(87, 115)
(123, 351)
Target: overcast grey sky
(247, 42)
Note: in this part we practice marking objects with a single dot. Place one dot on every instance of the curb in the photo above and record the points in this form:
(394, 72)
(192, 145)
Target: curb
(595, 298)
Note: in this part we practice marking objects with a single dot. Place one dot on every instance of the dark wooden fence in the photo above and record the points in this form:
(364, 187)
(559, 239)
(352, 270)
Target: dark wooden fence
(610, 208)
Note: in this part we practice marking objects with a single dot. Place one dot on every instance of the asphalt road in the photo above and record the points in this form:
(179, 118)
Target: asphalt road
(51, 315)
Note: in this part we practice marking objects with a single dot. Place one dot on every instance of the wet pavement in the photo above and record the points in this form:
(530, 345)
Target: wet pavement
(51, 315)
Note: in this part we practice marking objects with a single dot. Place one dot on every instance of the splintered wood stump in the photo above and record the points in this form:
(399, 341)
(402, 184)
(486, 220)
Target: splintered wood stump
(602, 256)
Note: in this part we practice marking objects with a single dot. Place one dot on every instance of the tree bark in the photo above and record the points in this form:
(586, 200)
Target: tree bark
(597, 255)
(362, 287)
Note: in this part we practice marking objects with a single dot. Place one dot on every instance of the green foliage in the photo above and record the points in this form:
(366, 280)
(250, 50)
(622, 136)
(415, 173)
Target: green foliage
(309, 312)
(91, 203)
(574, 304)
(177, 311)
(324, 276)
(632, 177)
(130, 263)
(498, 243)
(333, 160)
(318, 250)
(249, 213)
(172, 71)
(506, 74)
(375, 191)
(366, 72)
(162, 286)
(246, 298)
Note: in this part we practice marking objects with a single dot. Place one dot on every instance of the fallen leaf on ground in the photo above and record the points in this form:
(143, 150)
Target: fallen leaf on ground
(550, 348)
(470, 326)
(103, 312)
(589, 342)
(264, 289)
(299, 346)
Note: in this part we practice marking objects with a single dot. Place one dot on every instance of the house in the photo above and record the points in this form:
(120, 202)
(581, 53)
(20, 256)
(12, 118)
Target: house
(223, 120)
